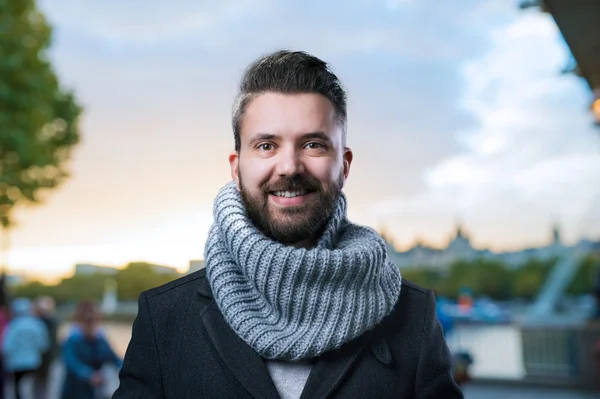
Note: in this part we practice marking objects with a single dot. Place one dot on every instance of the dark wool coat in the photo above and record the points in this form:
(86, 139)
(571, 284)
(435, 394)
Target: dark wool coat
(181, 347)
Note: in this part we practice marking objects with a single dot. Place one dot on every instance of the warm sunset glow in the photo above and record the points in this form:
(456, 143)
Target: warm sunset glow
(500, 153)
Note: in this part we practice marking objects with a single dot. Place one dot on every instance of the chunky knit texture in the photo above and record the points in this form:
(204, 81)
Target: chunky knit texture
(292, 303)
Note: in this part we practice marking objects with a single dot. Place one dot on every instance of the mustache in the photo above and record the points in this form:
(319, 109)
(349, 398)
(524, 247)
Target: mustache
(294, 183)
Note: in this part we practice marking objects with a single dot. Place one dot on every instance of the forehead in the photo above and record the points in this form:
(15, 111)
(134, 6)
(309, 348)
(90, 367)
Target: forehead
(288, 115)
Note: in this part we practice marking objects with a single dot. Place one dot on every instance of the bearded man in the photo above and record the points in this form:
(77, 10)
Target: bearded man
(295, 301)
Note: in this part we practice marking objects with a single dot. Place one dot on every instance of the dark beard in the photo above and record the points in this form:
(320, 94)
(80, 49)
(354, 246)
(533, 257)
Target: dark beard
(294, 224)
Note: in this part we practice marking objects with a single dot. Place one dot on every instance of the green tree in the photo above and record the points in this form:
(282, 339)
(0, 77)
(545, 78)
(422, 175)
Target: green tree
(485, 277)
(530, 277)
(583, 281)
(33, 289)
(425, 277)
(38, 118)
(77, 288)
(131, 281)
(137, 277)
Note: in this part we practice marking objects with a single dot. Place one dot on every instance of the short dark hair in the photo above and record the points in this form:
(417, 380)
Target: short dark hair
(288, 72)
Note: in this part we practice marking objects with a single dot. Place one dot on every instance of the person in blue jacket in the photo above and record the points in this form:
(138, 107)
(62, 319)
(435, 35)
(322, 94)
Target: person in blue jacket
(25, 341)
(85, 352)
(444, 316)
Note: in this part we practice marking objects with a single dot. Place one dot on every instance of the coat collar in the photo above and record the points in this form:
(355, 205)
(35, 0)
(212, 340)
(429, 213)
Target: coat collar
(204, 286)
(250, 370)
(245, 364)
(330, 368)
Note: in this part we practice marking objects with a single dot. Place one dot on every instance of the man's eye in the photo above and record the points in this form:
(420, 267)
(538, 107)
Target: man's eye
(313, 145)
(265, 147)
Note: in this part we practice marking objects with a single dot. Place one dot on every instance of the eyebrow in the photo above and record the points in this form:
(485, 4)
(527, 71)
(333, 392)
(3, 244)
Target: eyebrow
(262, 137)
(308, 136)
(318, 135)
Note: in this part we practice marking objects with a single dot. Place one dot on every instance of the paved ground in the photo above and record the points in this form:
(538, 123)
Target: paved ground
(470, 391)
(56, 381)
(493, 392)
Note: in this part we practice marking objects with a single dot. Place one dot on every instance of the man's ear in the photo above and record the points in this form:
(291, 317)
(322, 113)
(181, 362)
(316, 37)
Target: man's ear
(234, 163)
(348, 156)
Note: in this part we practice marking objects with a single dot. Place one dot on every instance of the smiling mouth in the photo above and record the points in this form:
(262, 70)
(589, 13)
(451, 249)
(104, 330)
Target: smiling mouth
(291, 198)
(289, 194)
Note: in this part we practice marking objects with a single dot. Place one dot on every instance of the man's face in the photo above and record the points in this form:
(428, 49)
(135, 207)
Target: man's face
(291, 166)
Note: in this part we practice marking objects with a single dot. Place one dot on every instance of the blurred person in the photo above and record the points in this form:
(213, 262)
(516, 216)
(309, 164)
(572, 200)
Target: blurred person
(444, 316)
(462, 362)
(295, 299)
(25, 341)
(85, 352)
(596, 294)
(4, 320)
(44, 309)
(597, 355)
(461, 359)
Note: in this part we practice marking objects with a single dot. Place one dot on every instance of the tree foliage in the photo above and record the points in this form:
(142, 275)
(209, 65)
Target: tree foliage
(529, 278)
(499, 281)
(131, 281)
(586, 275)
(485, 278)
(138, 277)
(38, 118)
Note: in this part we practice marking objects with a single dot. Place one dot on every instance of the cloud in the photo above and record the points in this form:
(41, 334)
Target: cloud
(533, 155)
(402, 69)
(426, 30)
(141, 21)
(449, 104)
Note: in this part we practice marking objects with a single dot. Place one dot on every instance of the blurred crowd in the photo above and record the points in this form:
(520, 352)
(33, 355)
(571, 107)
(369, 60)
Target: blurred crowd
(30, 345)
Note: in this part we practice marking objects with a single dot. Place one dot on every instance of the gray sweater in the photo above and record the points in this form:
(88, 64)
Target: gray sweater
(289, 377)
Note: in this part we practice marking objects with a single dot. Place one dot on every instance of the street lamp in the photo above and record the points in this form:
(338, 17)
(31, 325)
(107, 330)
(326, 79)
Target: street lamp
(596, 106)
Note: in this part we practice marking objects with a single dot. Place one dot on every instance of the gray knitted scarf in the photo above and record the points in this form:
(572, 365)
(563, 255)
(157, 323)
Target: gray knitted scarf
(292, 303)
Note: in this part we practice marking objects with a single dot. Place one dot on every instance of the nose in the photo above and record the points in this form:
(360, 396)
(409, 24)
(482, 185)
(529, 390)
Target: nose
(289, 162)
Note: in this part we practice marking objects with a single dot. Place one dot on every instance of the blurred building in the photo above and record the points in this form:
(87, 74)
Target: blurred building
(84, 269)
(15, 279)
(161, 269)
(459, 247)
(196, 265)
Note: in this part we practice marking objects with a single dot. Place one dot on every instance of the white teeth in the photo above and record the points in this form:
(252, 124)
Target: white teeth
(289, 194)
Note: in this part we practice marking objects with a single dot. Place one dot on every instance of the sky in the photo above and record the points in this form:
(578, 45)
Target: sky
(457, 113)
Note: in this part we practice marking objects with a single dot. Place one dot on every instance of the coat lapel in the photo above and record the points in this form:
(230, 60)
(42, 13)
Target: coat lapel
(247, 365)
(250, 370)
(330, 368)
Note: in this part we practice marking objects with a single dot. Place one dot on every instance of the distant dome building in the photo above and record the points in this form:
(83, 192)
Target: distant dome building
(460, 247)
